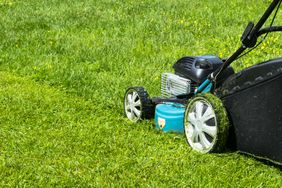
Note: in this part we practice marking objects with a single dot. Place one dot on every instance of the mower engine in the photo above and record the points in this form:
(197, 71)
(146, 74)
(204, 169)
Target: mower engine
(190, 72)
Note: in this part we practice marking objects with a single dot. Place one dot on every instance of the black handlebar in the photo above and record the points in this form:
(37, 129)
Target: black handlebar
(264, 17)
(269, 30)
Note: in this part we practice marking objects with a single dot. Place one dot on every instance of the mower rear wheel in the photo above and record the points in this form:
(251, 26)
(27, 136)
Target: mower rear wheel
(137, 104)
(206, 123)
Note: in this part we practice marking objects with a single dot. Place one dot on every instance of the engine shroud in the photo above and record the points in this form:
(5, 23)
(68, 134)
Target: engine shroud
(197, 68)
(190, 72)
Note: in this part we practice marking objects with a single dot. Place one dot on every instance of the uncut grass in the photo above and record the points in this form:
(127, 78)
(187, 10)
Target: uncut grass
(65, 66)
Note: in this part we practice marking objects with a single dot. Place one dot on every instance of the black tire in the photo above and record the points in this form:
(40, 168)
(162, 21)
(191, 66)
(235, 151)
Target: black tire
(206, 124)
(140, 107)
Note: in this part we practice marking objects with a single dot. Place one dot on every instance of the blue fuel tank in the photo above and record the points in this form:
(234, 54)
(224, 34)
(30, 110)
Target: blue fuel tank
(169, 117)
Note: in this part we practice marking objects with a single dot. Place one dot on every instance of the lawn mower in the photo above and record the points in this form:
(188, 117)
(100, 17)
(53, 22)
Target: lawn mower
(212, 105)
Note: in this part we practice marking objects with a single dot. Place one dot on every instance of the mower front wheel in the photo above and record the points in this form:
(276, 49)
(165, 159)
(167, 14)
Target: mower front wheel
(206, 123)
(137, 104)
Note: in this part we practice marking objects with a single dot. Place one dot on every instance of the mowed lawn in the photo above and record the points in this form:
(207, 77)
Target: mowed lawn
(64, 68)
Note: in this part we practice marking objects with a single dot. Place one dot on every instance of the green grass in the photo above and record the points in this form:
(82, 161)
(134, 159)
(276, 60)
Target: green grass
(64, 67)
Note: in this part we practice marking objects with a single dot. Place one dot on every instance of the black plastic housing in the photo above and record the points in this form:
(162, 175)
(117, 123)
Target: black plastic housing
(253, 99)
(197, 68)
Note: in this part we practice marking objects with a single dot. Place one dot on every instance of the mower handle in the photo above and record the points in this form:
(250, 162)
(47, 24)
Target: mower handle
(269, 30)
(250, 39)
(263, 19)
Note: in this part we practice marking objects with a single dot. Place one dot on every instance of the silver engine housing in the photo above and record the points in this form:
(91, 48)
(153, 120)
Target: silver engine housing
(174, 85)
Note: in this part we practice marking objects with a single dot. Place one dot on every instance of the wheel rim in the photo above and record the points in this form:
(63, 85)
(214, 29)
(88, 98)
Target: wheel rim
(132, 105)
(201, 126)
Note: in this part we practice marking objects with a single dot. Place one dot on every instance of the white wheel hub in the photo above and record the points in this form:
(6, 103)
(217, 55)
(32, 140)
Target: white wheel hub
(201, 126)
(132, 104)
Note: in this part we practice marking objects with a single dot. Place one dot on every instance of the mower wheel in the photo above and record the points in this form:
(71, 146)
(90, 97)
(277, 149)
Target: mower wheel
(137, 104)
(206, 123)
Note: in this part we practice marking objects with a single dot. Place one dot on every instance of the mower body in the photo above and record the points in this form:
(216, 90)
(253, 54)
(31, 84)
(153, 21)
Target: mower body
(252, 99)
(178, 87)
